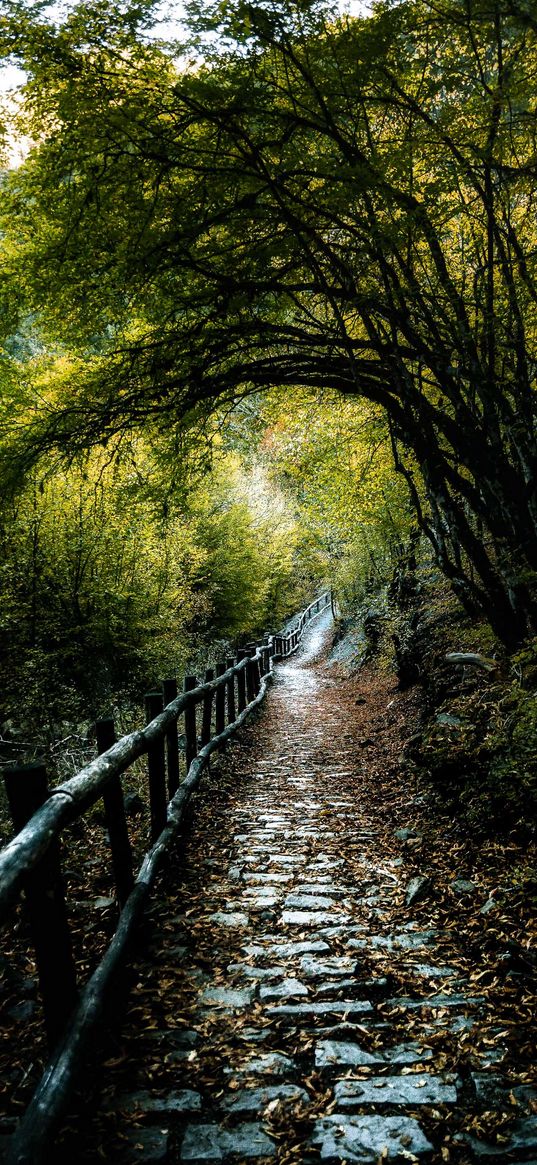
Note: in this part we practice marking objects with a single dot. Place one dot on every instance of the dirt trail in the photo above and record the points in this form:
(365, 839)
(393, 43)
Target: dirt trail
(291, 1006)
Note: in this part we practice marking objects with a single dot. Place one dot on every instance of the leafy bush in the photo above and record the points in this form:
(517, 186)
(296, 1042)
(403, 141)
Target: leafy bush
(107, 585)
(478, 745)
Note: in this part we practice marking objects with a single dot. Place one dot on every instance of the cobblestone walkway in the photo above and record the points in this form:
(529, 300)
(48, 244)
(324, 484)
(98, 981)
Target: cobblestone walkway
(272, 1034)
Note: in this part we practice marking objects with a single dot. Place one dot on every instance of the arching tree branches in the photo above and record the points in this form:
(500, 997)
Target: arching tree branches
(325, 202)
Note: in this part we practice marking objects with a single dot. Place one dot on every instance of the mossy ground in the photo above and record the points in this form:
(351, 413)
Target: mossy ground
(475, 752)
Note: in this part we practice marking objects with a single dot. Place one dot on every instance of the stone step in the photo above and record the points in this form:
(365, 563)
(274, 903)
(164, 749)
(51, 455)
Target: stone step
(285, 950)
(315, 918)
(333, 965)
(233, 919)
(410, 941)
(312, 1010)
(230, 998)
(336, 986)
(266, 1064)
(405, 1003)
(342, 1053)
(146, 1104)
(309, 902)
(206, 1143)
(254, 1100)
(400, 1090)
(249, 972)
(287, 989)
(369, 1139)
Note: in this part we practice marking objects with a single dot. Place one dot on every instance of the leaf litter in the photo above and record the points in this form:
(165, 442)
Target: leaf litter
(490, 955)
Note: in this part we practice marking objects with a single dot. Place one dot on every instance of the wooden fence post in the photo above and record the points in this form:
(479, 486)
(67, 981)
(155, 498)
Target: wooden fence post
(264, 665)
(220, 709)
(156, 769)
(116, 821)
(256, 674)
(254, 668)
(207, 710)
(231, 713)
(27, 790)
(169, 693)
(250, 677)
(241, 683)
(191, 730)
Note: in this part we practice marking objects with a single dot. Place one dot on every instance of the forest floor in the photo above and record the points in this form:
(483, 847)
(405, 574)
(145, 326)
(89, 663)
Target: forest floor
(331, 972)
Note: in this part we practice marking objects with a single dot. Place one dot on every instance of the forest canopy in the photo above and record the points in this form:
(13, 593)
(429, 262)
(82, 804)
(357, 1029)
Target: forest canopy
(291, 199)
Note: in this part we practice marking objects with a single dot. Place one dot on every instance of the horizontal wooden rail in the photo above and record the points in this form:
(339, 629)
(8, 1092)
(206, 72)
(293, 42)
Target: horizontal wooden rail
(69, 800)
(290, 642)
(48, 1102)
(22, 859)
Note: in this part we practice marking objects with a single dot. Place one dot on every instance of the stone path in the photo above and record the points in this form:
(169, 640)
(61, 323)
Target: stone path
(273, 1036)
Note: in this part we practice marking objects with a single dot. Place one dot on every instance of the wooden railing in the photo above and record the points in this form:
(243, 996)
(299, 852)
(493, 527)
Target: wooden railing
(212, 712)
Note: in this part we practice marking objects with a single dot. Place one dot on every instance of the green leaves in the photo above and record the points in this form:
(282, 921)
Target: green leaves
(322, 203)
(241, 23)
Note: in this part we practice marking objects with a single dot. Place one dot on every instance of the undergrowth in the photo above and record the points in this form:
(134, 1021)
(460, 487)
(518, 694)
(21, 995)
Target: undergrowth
(476, 749)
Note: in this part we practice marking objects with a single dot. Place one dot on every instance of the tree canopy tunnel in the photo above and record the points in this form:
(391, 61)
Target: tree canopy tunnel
(301, 198)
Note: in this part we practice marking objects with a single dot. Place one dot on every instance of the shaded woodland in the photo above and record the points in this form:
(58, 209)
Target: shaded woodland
(268, 329)
(269, 323)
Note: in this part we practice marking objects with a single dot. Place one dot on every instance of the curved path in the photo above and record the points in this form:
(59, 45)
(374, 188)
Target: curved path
(283, 1015)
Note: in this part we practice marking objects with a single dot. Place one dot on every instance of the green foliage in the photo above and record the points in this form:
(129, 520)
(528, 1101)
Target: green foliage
(258, 563)
(333, 457)
(485, 766)
(91, 591)
(478, 745)
(105, 587)
(321, 202)
(336, 209)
